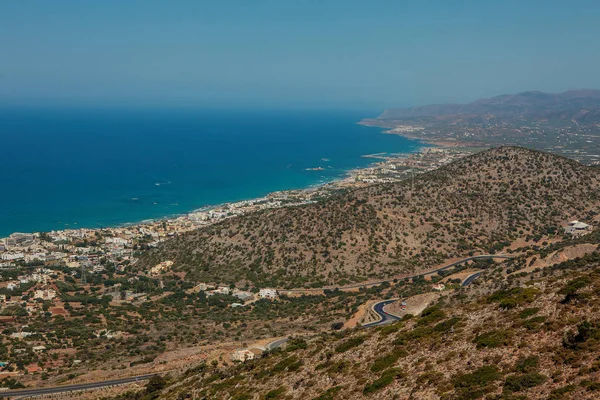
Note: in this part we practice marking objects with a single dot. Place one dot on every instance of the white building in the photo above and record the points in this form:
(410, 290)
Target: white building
(12, 256)
(45, 294)
(577, 228)
(242, 355)
(267, 294)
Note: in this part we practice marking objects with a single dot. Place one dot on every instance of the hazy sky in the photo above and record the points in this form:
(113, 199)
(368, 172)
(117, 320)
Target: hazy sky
(303, 53)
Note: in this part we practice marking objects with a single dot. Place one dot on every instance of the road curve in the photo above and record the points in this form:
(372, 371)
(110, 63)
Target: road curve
(386, 318)
(73, 388)
(376, 283)
(471, 278)
(276, 343)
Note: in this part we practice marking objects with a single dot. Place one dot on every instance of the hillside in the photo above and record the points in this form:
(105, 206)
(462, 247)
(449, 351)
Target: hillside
(511, 335)
(568, 105)
(479, 204)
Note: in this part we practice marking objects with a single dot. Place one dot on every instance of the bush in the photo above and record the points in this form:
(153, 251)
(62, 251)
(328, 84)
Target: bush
(386, 378)
(513, 297)
(492, 339)
(528, 312)
(349, 344)
(526, 365)
(329, 394)
(518, 383)
(477, 383)
(386, 361)
(275, 393)
(431, 314)
(290, 364)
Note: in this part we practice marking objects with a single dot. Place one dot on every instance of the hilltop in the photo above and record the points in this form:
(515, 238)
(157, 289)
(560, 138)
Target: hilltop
(479, 204)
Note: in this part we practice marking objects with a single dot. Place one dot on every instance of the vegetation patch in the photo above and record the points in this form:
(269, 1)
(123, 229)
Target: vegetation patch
(388, 360)
(430, 315)
(492, 339)
(349, 344)
(514, 297)
(329, 394)
(518, 383)
(477, 383)
(289, 364)
(528, 312)
(275, 393)
(386, 378)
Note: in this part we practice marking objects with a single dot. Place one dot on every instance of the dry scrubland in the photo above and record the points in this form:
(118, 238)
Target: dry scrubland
(533, 336)
(479, 204)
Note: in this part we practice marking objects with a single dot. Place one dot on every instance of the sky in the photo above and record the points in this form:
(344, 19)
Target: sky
(284, 53)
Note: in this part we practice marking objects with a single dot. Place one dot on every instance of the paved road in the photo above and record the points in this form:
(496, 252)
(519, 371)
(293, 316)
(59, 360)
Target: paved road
(385, 317)
(360, 285)
(471, 278)
(277, 343)
(72, 388)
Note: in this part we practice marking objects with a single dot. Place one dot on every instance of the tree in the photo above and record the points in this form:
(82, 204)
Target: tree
(155, 384)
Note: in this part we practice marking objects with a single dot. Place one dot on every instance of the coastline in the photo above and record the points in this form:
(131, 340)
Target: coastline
(385, 168)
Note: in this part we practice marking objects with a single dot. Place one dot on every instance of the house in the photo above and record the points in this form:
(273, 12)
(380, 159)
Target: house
(242, 355)
(45, 294)
(242, 295)
(577, 228)
(38, 349)
(161, 267)
(439, 286)
(12, 286)
(267, 294)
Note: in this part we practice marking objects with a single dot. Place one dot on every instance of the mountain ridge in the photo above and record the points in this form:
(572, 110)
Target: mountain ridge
(524, 103)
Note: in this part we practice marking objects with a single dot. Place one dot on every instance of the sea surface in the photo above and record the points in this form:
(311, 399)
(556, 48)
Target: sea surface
(71, 168)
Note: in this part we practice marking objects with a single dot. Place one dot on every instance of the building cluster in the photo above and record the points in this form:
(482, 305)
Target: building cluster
(395, 168)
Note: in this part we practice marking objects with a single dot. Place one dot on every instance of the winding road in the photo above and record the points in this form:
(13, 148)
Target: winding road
(376, 283)
(470, 279)
(386, 318)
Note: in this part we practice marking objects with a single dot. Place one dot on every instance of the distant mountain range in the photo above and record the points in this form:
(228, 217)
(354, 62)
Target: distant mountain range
(574, 104)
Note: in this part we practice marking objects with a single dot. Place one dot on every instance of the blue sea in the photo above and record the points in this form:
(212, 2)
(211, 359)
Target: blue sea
(71, 168)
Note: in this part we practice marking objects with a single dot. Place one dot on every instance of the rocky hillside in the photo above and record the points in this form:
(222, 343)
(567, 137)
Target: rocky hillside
(476, 205)
(511, 335)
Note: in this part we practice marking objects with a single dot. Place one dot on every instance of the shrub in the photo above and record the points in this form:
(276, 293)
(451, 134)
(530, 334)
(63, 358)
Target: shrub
(476, 383)
(329, 394)
(386, 378)
(513, 297)
(431, 314)
(275, 393)
(526, 365)
(349, 344)
(528, 312)
(386, 361)
(446, 325)
(492, 339)
(518, 383)
(290, 364)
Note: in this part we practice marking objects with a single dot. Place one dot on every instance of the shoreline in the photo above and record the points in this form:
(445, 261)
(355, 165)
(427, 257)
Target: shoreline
(385, 168)
(335, 183)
